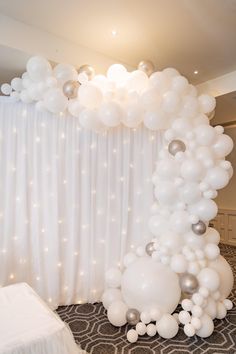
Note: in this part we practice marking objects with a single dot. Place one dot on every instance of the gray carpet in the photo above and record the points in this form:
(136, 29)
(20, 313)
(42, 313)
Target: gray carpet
(96, 335)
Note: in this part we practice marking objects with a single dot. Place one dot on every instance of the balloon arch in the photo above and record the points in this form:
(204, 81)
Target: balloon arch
(182, 263)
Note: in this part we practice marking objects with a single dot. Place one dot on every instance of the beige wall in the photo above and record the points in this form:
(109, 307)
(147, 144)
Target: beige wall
(227, 196)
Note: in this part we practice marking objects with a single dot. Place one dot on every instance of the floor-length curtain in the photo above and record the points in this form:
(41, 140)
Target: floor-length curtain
(72, 202)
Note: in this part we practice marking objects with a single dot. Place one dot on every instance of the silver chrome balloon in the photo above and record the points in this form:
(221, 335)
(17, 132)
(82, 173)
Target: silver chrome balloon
(188, 283)
(70, 88)
(150, 248)
(146, 66)
(176, 146)
(88, 70)
(132, 316)
(199, 228)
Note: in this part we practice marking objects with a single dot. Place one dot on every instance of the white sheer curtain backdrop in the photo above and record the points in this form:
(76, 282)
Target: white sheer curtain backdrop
(72, 202)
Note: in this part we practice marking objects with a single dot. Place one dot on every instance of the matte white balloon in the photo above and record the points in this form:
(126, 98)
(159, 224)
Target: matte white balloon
(16, 84)
(167, 327)
(89, 95)
(223, 146)
(65, 72)
(6, 89)
(111, 114)
(110, 296)
(223, 269)
(113, 277)
(117, 313)
(191, 170)
(206, 328)
(55, 101)
(209, 279)
(38, 68)
(190, 192)
(207, 103)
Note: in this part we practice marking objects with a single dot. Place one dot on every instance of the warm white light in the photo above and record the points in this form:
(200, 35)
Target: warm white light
(196, 72)
(114, 33)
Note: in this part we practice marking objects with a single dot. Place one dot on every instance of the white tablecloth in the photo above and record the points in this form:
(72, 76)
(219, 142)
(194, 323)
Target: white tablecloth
(28, 326)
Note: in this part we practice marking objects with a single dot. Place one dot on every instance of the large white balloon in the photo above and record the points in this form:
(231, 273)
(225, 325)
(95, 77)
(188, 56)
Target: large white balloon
(166, 193)
(207, 327)
(90, 95)
(223, 146)
(167, 327)
(226, 276)
(113, 277)
(179, 221)
(147, 284)
(167, 168)
(157, 224)
(110, 296)
(209, 278)
(111, 114)
(190, 192)
(117, 73)
(117, 313)
(191, 170)
(205, 209)
(217, 177)
(38, 68)
(137, 81)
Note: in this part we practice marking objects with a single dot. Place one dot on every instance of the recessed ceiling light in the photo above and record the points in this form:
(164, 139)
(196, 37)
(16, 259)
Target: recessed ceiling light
(114, 33)
(196, 72)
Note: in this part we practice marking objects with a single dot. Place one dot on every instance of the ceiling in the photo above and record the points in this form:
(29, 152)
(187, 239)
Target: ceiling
(187, 34)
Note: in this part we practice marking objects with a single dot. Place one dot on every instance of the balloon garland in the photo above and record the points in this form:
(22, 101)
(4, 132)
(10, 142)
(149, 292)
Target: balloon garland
(182, 263)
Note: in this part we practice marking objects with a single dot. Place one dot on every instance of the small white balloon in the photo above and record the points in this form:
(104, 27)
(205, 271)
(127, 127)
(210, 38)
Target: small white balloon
(209, 279)
(187, 304)
(221, 311)
(132, 336)
(207, 327)
(191, 170)
(38, 68)
(228, 304)
(151, 330)
(16, 84)
(167, 327)
(55, 101)
(212, 251)
(141, 328)
(179, 263)
(111, 114)
(65, 72)
(184, 317)
(189, 330)
(6, 89)
(207, 103)
(117, 73)
(113, 277)
(110, 296)
(223, 146)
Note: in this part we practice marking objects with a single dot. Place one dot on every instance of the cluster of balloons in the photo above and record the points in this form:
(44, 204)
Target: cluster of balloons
(182, 263)
(101, 102)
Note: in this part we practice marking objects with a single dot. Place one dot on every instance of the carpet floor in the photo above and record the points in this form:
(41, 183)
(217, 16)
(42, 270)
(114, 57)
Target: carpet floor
(96, 335)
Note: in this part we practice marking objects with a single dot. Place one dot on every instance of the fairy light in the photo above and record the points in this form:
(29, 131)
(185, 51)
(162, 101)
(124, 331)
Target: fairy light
(12, 276)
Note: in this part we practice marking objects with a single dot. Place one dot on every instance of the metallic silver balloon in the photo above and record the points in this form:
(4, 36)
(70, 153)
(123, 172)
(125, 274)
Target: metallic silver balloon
(188, 283)
(176, 146)
(132, 316)
(199, 228)
(88, 70)
(150, 248)
(70, 88)
(146, 66)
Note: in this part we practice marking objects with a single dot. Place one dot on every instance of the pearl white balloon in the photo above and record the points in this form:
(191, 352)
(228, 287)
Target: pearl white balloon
(207, 103)
(132, 336)
(145, 317)
(209, 279)
(133, 115)
(190, 192)
(187, 304)
(141, 328)
(157, 224)
(179, 84)
(137, 81)
(89, 95)
(223, 146)
(212, 236)
(113, 277)
(110, 114)
(16, 84)
(55, 101)
(111, 295)
(184, 317)
(228, 304)
(75, 108)
(182, 125)
(189, 330)
(147, 284)
(6, 89)
(159, 81)
(167, 327)
(206, 328)
(179, 263)
(65, 72)
(191, 170)
(206, 209)
(117, 73)
(223, 269)
(151, 330)
(38, 68)
(196, 323)
(217, 177)
(155, 120)
(212, 251)
(171, 101)
(117, 313)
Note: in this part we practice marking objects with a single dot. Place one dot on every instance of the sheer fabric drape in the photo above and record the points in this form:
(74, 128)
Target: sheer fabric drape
(72, 202)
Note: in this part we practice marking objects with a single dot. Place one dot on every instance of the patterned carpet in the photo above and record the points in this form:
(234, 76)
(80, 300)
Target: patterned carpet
(96, 335)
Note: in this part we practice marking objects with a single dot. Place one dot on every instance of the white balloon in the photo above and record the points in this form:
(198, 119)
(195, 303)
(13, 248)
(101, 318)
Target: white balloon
(190, 107)
(155, 120)
(179, 221)
(209, 279)
(206, 328)
(159, 81)
(210, 308)
(167, 168)
(207, 103)
(228, 304)
(155, 314)
(89, 95)
(206, 209)
(182, 125)
(117, 313)
(189, 330)
(166, 193)
(129, 258)
(205, 135)
(132, 336)
(212, 251)
(221, 311)
(145, 317)
(16, 84)
(110, 114)
(170, 102)
(109, 296)
(222, 267)
(151, 99)
(113, 277)
(133, 115)
(38, 68)
(170, 73)
(55, 101)
(190, 192)
(172, 241)
(137, 81)
(6, 89)
(167, 327)
(194, 241)
(117, 73)
(151, 330)
(184, 317)
(191, 170)
(75, 108)
(187, 304)
(179, 84)
(147, 284)
(89, 120)
(141, 328)
(65, 72)
(223, 146)
(179, 263)
(25, 97)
